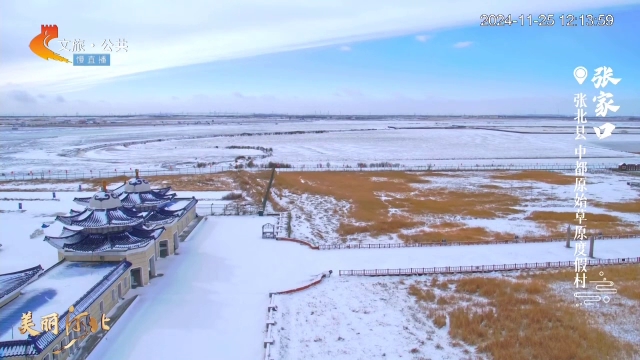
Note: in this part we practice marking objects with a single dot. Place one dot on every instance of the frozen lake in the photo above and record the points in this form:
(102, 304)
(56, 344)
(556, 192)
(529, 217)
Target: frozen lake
(346, 142)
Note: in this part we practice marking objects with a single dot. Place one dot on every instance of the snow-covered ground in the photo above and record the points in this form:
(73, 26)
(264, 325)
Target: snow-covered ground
(30, 186)
(106, 149)
(359, 318)
(215, 293)
(53, 292)
(317, 218)
(376, 318)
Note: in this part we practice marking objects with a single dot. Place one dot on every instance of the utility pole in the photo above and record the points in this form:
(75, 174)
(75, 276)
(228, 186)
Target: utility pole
(568, 245)
(591, 243)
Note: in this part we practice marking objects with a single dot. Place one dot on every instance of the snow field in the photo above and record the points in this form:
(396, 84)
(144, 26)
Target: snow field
(81, 149)
(359, 318)
(381, 318)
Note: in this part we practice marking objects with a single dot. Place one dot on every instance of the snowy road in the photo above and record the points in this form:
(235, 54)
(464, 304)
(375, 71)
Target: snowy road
(214, 294)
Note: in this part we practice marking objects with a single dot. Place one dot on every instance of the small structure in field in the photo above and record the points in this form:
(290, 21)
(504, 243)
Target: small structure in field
(268, 231)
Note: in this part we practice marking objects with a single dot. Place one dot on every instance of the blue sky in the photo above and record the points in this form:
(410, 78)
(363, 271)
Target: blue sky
(512, 69)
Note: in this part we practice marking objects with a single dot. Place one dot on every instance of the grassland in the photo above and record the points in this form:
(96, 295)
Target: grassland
(416, 209)
(522, 317)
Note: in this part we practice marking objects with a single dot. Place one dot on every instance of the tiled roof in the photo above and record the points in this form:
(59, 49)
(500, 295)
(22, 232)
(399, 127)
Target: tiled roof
(97, 218)
(13, 281)
(119, 190)
(162, 215)
(35, 345)
(18, 348)
(162, 191)
(146, 198)
(153, 197)
(78, 241)
(160, 218)
(190, 204)
(84, 201)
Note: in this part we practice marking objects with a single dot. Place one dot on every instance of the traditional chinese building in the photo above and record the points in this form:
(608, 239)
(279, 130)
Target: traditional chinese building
(93, 288)
(106, 230)
(137, 193)
(104, 250)
(12, 283)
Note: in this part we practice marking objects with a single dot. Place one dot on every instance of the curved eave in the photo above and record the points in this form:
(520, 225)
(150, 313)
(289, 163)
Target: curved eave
(162, 222)
(119, 190)
(162, 191)
(17, 280)
(158, 231)
(69, 219)
(82, 201)
(55, 242)
(136, 199)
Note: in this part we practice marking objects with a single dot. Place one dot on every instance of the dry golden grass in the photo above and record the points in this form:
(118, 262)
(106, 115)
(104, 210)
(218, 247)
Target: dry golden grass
(253, 184)
(462, 234)
(556, 222)
(390, 225)
(625, 277)
(360, 190)
(422, 294)
(522, 320)
(371, 213)
(548, 177)
(440, 320)
(447, 225)
(442, 285)
(203, 182)
(625, 207)
(486, 205)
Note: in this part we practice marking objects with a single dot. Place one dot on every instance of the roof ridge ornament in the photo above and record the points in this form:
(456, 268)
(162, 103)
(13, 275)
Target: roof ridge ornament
(104, 185)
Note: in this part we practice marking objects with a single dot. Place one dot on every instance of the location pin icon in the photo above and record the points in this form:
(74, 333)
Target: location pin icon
(580, 73)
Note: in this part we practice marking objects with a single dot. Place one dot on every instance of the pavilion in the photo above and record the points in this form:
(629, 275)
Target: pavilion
(106, 230)
(104, 251)
(137, 193)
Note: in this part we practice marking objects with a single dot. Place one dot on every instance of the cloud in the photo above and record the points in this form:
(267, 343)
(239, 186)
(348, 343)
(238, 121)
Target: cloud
(42, 96)
(345, 48)
(60, 99)
(192, 32)
(462, 44)
(22, 97)
(423, 38)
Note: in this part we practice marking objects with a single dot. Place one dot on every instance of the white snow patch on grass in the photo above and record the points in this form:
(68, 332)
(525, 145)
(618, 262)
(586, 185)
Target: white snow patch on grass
(359, 318)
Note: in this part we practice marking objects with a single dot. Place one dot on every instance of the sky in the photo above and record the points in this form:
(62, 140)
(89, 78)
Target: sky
(334, 56)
